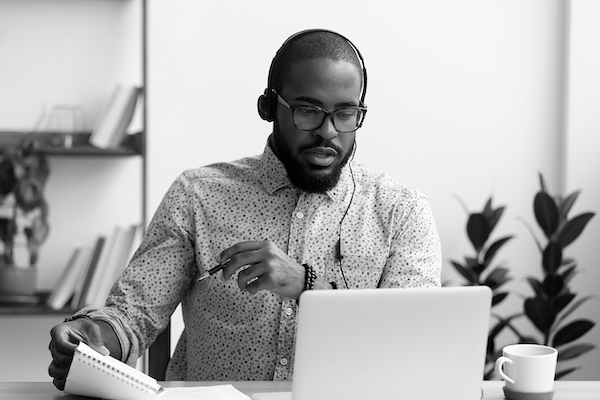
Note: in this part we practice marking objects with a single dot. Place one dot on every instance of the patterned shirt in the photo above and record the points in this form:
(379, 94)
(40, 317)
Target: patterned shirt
(388, 239)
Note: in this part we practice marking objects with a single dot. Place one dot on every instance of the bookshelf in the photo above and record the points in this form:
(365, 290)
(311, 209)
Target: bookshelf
(87, 48)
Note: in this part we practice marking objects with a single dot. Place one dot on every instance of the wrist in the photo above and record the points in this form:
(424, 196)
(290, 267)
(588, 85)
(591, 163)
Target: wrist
(314, 282)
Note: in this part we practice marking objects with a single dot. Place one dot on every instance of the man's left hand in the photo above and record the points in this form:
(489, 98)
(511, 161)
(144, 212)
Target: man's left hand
(263, 266)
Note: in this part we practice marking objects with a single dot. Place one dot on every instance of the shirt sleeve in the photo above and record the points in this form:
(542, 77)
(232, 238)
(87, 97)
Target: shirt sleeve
(415, 258)
(157, 278)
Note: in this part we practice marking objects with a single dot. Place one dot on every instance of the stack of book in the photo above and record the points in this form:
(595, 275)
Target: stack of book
(92, 270)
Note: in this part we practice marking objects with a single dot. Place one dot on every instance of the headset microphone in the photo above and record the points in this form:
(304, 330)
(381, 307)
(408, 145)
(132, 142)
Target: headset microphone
(339, 251)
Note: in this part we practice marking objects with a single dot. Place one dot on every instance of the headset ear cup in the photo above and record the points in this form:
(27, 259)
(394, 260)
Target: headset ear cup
(264, 106)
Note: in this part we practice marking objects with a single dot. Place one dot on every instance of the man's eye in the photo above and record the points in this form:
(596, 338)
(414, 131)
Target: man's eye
(307, 111)
(347, 114)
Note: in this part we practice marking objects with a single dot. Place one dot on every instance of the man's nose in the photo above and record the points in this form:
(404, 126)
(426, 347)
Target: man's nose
(327, 129)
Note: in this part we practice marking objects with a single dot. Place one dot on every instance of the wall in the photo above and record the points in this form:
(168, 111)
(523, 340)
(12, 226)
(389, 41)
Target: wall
(466, 98)
(582, 161)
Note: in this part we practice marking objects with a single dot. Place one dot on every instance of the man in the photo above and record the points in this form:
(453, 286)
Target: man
(298, 217)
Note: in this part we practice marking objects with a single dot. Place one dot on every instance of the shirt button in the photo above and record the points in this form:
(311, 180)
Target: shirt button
(283, 361)
(300, 214)
(288, 311)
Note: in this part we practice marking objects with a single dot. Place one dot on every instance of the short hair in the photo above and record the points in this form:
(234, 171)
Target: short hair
(312, 44)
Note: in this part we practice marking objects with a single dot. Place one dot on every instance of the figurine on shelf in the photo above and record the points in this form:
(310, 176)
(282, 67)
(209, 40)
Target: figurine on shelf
(23, 211)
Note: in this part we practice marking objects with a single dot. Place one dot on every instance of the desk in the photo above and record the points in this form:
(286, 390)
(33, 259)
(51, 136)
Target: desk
(564, 390)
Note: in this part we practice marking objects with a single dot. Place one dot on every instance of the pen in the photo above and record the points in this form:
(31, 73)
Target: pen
(215, 269)
(212, 271)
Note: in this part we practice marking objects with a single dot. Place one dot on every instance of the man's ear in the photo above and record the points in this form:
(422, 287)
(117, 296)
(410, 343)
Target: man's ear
(264, 106)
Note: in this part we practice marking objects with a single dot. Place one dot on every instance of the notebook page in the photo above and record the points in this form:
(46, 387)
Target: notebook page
(96, 375)
(216, 392)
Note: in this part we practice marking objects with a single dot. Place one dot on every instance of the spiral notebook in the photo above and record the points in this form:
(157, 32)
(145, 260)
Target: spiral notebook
(95, 375)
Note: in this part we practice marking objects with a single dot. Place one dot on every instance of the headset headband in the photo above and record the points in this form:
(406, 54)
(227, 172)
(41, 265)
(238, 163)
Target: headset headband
(265, 106)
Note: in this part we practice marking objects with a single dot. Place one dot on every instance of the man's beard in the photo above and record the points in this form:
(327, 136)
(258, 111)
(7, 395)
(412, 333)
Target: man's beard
(310, 180)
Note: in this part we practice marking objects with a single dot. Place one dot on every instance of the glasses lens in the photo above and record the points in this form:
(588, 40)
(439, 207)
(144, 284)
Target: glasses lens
(311, 118)
(308, 118)
(347, 119)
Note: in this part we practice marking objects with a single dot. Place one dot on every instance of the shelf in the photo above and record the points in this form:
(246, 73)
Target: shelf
(29, 305)
(52, 144)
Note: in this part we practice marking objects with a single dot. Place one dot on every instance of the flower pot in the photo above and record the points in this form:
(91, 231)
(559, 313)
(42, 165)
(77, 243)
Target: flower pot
(17, 280)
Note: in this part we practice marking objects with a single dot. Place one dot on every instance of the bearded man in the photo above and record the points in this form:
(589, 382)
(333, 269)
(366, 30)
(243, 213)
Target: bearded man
(236, 243)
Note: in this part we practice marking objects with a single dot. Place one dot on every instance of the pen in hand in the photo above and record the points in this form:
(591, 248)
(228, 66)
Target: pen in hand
(212, 271)
(216, 269)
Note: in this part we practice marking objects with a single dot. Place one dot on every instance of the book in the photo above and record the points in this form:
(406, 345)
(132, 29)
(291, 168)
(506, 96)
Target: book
(83, 287)
(116, 261)
(65, 286)
(96, 273)
(111, 128)
(96, 375)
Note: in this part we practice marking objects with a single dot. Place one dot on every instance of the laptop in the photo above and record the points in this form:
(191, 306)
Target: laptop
(390, 344)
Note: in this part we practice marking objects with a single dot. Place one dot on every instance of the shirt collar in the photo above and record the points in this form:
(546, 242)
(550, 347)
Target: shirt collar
(274, 176)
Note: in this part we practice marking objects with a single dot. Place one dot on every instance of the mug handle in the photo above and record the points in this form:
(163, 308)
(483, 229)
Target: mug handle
(499, 370)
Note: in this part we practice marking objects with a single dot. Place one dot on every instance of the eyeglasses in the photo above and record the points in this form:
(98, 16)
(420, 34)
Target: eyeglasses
(310, 118)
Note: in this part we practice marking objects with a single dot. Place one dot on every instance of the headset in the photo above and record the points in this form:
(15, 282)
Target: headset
(267, 104)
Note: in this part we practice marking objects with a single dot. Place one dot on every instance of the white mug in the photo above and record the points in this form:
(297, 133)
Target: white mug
(528, 368)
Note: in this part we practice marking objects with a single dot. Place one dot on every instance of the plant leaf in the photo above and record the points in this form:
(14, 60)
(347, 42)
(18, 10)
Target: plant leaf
(546, 213)
(575, 351)
(540, 313)
(542, 183)
(562, 301)
(553, 284)
(495, 217)
(573, 229)
(552, 258)
(566, 204)
(493, 249)
(573, 307)
(536, 286)
(463, 271)
(497, 278)
(572, 331)
(568, 274)
(478, 230)
(564, 372)
(497, 298)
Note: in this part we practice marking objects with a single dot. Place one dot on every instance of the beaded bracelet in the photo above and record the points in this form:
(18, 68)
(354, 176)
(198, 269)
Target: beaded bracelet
(309, 278)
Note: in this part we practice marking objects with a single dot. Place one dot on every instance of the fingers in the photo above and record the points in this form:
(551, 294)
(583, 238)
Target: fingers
(241, 255)
(59, 373)
(261, 265)
(64, 339)
(252, 279)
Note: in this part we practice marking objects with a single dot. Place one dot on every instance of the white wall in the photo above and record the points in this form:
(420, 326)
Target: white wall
(465, 98)
(583, 163)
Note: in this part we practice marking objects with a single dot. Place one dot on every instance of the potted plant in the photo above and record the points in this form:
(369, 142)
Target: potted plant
(550, 307)
(479, 269)
(553, 302)
(23, 214)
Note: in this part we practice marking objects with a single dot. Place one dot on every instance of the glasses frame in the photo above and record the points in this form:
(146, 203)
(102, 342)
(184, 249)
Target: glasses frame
(326, 114)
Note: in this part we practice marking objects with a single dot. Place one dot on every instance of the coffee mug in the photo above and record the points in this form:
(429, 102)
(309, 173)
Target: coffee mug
(527, 368)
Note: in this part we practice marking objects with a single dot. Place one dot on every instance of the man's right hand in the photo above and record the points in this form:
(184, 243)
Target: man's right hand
(64, 339)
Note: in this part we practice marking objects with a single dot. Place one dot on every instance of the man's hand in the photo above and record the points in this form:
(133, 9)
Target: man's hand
(64, 339)
(263, 266)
